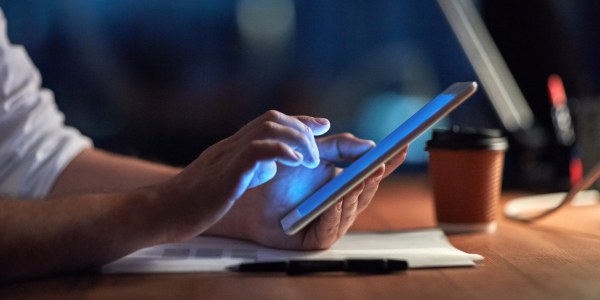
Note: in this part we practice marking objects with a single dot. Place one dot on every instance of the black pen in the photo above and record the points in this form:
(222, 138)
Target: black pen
(294, 267)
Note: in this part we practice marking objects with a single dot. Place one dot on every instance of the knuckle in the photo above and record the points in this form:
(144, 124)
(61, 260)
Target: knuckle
(268, 128)
(253, 148)
(370, 191)
(332, 229)
(279, 147)
(372, 186)
(257, 148)
(352, 202)
(304, 140)
(363, 204)
(349, 218)
(347, 135)
(273, 115)
(307, 129)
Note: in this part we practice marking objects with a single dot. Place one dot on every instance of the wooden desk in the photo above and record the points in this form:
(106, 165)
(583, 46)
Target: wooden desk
(558, 258)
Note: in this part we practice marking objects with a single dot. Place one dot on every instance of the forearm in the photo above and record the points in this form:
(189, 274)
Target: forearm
(94, 171)
(74, 233)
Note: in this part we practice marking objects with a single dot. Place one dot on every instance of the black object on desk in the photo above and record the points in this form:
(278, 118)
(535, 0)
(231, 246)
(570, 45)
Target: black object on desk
(296, 267)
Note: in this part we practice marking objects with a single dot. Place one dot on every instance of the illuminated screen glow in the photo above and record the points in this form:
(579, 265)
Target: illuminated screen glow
(370, 157)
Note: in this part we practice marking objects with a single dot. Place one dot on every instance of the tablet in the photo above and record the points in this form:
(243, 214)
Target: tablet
(359, 170)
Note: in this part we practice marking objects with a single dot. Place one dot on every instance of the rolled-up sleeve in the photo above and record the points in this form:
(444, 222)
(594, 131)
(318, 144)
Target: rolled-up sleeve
(35, 145)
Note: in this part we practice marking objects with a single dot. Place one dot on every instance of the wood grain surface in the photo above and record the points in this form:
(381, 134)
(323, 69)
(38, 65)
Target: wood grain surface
(556, 258)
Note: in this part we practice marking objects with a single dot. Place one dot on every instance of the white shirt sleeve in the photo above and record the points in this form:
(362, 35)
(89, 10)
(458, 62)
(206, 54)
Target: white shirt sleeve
(35, 145)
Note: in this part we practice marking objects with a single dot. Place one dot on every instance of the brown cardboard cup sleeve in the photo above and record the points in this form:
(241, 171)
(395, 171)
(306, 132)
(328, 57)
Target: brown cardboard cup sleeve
(465, 169)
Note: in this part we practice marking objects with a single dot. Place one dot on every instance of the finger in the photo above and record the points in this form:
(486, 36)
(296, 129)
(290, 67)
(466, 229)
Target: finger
(302, 124)
(265, 151)
(395, 161)
(333, 223)
(371, 186)
(349, 209)
(280, 133)
(343, 147)
(308, 126)
(318, 126)
(323, 231)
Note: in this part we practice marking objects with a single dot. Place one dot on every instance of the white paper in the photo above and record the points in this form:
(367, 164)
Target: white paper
(420, 248)
(542, 202)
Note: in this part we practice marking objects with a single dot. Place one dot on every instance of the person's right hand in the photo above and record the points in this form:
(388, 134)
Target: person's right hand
(205, 190)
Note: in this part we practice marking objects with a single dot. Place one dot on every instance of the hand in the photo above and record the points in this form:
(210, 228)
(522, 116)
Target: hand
(256, 215)
(204, 191)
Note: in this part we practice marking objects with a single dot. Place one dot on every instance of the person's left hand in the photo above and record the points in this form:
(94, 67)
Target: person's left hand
(257, 213)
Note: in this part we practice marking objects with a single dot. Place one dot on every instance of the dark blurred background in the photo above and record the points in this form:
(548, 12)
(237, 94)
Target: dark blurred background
(163, 80)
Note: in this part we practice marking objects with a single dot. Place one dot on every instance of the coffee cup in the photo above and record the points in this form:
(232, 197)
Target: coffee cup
(465, 169)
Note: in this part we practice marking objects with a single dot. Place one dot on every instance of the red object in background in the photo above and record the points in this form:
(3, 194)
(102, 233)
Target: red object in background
(575, 170)
(556, 90)
(561, 117)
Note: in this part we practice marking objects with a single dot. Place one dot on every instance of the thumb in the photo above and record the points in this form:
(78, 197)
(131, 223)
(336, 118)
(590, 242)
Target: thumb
(343, 147)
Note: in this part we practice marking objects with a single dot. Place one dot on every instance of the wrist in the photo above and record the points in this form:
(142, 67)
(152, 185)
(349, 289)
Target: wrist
(237, 222)
(182, 213)
(146, 210)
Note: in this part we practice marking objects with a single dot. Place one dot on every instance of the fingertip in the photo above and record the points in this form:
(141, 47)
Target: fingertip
(295, 159)
(311, 164)
(299, 157)
(343, 147)
(404, 150)
(321, 121)
(321, 126)
(394, 162)
(359, 188)
(378, 174)
(362, 146)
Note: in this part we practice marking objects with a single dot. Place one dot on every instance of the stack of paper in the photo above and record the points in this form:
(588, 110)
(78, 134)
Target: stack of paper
(420, 248)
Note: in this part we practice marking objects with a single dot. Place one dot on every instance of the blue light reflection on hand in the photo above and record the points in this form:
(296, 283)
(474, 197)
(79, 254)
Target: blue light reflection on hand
(385, 145)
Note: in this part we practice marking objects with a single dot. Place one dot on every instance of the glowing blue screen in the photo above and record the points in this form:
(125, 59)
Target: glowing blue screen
(368, 158)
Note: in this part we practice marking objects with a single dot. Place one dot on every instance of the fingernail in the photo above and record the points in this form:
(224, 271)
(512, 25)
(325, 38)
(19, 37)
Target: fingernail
(299, 155)
(321, 121)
